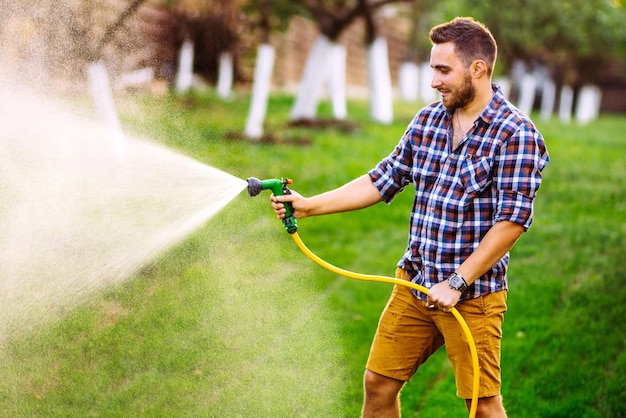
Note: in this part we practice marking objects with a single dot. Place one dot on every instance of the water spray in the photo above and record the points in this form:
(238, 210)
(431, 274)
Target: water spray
(279, 188)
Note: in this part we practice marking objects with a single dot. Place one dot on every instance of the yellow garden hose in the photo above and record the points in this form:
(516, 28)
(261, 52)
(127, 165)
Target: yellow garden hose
(280, 187)
(384, 279)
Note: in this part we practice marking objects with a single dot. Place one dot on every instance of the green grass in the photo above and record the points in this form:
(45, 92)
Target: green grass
(236, 322)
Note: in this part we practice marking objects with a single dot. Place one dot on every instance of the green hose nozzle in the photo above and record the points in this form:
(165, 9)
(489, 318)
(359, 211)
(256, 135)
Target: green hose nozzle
(279, 188)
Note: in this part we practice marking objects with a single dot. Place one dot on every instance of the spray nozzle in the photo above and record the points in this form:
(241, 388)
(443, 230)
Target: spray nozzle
(279, 188)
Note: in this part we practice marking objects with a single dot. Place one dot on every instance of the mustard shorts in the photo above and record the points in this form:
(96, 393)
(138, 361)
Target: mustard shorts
(409, 333)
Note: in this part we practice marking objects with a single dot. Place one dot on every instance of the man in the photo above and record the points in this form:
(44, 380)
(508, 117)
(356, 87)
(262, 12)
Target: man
(475, 162)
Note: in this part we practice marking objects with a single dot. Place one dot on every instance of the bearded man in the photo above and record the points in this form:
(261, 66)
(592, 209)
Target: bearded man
(475, 163)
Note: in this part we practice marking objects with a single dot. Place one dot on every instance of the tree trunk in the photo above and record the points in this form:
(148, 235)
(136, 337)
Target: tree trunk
(325, 67)
(102, 96)
(408, 81)
(312, 80)
(566, 103)
(588, 106)
(548, 98)
(381, 92)
(337, 81)
(225, 76)
(332, 21)
(260, 91)
(184, 77)
(528, 89)
(426, 92)
(111, 30)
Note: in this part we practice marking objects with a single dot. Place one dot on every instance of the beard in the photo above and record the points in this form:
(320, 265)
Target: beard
(462, 96)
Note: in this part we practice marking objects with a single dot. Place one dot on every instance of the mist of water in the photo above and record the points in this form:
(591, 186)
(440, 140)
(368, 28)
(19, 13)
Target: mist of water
(76, 215)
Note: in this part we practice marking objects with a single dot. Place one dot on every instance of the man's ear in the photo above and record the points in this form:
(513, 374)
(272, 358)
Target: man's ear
(478, 68)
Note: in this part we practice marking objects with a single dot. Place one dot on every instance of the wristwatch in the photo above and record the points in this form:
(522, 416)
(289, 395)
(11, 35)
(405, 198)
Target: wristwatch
(457, 282)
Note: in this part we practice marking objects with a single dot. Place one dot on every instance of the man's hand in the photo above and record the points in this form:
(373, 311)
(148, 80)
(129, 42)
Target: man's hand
(297, 201)
(442, 297)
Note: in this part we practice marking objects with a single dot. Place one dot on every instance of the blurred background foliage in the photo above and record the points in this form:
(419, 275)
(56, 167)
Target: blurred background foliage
(580, 41)
(577, 39)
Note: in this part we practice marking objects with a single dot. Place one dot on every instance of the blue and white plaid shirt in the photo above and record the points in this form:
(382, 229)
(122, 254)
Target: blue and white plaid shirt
(493, 175)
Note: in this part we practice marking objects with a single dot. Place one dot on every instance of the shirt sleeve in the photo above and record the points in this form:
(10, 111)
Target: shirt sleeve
(518, 168)
(393, 173)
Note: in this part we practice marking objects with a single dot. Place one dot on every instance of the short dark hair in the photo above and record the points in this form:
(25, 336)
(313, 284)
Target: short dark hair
(472, 40)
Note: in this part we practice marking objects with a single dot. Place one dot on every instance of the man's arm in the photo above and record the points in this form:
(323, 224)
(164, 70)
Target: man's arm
(494, 245)
(357, 194)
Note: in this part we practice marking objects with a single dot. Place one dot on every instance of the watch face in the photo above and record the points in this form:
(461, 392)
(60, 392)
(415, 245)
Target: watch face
(457, 283)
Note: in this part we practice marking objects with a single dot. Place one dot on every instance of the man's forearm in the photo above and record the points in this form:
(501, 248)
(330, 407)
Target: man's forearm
(357, 194)
(495, 244)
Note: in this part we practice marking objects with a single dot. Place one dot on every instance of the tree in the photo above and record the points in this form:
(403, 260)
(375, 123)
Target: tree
(326, 61)
(381, 90)
(99, 81)
(211, 27)
(413, 71)
(575, 38)
(110, 31)
(265, 16)
(569, 44)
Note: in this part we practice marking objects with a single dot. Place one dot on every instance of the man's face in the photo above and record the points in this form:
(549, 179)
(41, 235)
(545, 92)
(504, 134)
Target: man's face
(450, 77)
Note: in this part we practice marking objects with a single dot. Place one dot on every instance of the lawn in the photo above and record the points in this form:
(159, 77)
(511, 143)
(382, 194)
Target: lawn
(236, 322)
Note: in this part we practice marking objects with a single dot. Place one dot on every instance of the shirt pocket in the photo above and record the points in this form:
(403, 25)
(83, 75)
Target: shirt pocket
(475, 174)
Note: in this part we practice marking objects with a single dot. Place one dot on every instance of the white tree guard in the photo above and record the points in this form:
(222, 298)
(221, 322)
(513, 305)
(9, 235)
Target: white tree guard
(184, 76)
(426, 92)
(225, 76)
(102, 96)
(566, 104)
(505, 86)
(313, 78)
(528, 89)
(548, 98)
(408, 81)
(337, 81)
(260, 91)
(588, 106)
(381, 91)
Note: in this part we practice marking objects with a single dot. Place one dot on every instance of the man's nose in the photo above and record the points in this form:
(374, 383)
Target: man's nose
(435, 81)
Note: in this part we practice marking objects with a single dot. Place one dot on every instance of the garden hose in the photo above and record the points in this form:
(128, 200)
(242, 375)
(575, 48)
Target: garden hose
(384, 279)
(280, 187)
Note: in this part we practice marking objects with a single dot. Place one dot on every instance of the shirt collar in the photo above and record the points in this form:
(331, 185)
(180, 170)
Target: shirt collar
(496, 102)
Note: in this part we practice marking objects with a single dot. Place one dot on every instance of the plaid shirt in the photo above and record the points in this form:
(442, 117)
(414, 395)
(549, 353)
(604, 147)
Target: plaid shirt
(493, 175)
